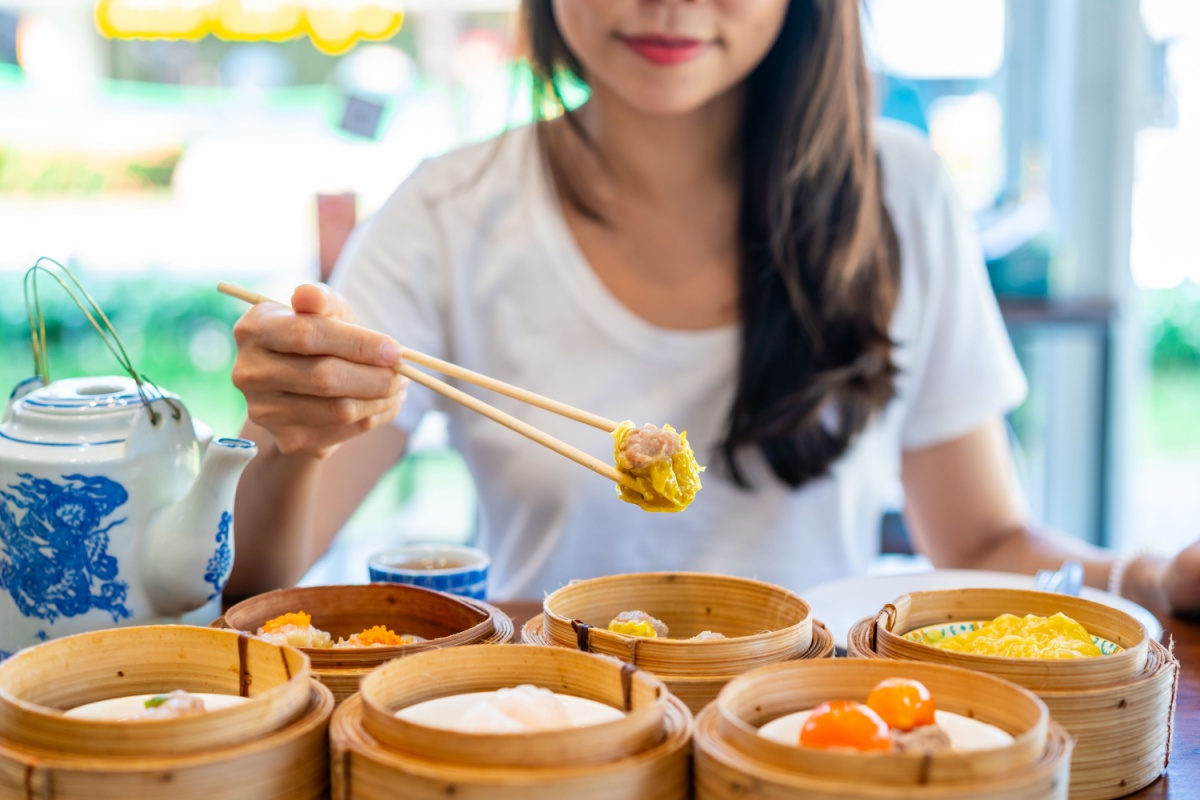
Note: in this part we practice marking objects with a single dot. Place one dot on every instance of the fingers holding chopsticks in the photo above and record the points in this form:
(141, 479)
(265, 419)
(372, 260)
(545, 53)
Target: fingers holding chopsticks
(313, 379)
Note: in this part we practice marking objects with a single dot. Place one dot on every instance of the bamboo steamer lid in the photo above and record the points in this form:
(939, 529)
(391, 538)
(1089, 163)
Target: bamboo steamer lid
(366, 769)
(696, 691)
(291, 763)
(37, 684)
(444, 620)
(733, 761)
(1122, 730)
(765, 623)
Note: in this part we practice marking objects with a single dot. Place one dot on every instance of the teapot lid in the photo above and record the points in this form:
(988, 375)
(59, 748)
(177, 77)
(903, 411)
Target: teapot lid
(77, 411)
(89, 396)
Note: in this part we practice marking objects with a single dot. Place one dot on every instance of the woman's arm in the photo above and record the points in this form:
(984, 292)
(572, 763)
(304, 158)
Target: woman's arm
(319, 393)
(290, 507)
(964, 509)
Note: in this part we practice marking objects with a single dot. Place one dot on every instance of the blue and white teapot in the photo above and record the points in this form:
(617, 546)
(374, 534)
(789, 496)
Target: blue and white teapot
(114, 510)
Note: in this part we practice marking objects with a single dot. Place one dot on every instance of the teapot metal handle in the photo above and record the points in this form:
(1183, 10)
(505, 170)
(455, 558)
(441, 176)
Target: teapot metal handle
(96, 316)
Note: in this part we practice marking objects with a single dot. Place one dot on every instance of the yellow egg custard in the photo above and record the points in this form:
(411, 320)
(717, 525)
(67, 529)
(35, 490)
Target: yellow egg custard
(1010, 636)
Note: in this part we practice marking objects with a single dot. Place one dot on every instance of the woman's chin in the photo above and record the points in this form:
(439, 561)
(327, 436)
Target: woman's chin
(666, 101)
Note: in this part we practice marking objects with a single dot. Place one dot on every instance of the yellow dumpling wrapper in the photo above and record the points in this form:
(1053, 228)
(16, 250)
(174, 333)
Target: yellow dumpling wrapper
(639, 628)
(1030, 636)
(666, 484)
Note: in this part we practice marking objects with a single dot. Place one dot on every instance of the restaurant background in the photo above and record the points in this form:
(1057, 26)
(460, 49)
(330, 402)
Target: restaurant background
(156, 168)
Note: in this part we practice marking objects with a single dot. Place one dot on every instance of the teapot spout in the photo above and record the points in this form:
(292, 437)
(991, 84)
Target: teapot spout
(189, 545)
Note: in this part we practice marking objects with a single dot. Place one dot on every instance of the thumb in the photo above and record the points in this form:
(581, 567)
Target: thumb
(319, 299)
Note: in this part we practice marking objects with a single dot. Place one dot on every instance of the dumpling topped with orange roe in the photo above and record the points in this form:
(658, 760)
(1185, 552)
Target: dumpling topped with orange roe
(294, 629)
(378, 636)
(662, 464)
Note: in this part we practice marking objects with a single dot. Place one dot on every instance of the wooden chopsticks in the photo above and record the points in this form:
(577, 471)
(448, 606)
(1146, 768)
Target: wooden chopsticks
(480, 407)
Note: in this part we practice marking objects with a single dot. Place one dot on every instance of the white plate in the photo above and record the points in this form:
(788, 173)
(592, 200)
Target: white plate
(965, 734)
(447, 712)
(133, 707)
(840, 604)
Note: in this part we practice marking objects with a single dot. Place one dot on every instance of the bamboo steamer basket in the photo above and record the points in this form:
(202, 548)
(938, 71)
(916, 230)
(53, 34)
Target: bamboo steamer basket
(444, 620)
(920, 609)
(695, 691)
(37, 684)
(268, 749)
(644, 755)
(289, 764)
(765, 623)
(733, 761)
(440, 674)
(1122, 727)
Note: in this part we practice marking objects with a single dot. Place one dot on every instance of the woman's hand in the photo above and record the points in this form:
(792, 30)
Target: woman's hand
(311, 377)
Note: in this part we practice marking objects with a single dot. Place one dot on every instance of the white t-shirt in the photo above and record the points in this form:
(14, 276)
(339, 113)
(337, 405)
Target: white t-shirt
(471, 260)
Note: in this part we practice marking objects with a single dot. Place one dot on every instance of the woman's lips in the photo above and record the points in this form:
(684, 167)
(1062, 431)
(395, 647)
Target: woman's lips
(665, 51)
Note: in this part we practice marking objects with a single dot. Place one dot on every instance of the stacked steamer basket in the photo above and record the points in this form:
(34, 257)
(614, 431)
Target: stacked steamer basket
(1118, 707)
(733, 761)
(443, 620)
(765, 624)
(271, 747)
(643, 754)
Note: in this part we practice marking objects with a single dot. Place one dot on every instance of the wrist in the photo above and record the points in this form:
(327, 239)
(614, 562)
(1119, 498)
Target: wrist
(1140, 578)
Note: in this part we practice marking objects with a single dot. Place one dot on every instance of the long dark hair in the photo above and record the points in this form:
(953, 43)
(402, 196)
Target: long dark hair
(819, 272)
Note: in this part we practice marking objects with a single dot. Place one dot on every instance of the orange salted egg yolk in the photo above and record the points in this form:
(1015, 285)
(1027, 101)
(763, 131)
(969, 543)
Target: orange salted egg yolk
(902, 703)
(846, 724)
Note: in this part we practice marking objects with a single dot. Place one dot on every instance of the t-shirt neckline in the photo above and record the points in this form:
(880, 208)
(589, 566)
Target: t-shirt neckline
(597, 300)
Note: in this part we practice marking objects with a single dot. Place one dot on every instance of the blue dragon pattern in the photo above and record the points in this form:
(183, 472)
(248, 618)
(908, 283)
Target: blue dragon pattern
(222, 560)
(54, 560)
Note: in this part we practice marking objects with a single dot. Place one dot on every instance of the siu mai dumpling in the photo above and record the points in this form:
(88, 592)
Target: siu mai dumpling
(639, 623)
(661, 463)
(296, 630)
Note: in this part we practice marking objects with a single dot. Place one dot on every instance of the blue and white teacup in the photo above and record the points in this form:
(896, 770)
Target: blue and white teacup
(455, 569)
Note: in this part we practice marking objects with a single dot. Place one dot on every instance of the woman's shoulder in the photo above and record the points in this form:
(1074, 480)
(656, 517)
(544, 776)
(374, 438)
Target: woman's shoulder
(914, 177)
(488, 170)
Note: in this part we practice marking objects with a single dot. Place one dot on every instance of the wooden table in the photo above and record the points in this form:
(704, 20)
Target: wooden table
(1182, 781)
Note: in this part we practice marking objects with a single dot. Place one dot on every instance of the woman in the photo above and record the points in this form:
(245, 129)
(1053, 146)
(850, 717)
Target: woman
(719, 238)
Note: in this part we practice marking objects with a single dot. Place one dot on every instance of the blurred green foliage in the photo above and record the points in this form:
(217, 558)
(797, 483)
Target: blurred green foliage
(1174, 326)
(178, 333)
(34, 171)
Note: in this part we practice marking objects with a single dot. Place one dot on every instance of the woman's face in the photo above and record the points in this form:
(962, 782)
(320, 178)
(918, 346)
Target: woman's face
(669, 56)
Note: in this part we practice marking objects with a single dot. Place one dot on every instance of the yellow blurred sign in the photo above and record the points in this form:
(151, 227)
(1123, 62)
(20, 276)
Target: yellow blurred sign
(334, 26)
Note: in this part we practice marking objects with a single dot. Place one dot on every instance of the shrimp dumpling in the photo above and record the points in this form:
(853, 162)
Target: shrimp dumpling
(522, 709)
(176, 704)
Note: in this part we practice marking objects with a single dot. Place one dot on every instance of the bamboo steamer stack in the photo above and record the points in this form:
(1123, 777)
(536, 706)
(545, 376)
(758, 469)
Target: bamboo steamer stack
(644, 755)
(1118, 707)
(733, 762)
(765, 624)
(444, 620)
(272, 747)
